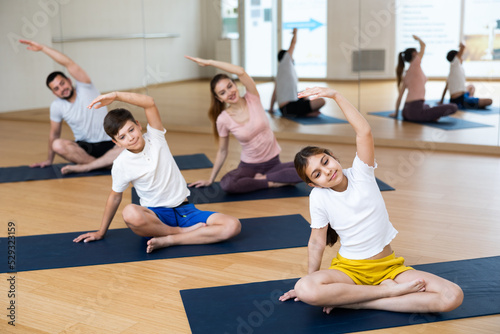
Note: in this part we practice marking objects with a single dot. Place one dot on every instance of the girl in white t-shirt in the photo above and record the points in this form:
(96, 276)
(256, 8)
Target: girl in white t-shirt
(347, 203)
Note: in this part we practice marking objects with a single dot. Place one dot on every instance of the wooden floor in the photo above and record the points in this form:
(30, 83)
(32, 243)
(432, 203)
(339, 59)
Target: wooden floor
(445, 208)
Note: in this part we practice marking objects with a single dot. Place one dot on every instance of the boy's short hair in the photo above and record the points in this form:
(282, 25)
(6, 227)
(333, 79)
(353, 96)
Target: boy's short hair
(115, 120)
(52, 76)
(281, 54)
(451, 55)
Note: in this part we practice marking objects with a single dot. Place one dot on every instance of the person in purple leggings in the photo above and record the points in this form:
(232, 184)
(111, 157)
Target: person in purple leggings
(414, 80)
(244, 117)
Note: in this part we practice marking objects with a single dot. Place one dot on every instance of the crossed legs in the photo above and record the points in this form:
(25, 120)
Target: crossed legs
(410, 291)
(144, 222)
(70, 151)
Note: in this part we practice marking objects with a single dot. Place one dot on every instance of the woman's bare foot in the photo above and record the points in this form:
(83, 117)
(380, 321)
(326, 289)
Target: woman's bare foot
(260, 176)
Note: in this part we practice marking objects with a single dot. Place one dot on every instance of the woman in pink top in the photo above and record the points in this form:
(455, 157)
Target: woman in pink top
(245, 118)
(414, 80)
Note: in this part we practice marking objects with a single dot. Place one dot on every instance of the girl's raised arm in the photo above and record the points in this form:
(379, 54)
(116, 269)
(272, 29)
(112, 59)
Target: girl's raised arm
(364, 139)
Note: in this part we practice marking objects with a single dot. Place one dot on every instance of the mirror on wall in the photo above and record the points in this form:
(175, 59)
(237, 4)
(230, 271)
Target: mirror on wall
(387, 28)
(141, 47)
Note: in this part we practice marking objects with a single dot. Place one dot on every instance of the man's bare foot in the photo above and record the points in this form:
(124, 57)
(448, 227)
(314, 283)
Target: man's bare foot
(68, 169)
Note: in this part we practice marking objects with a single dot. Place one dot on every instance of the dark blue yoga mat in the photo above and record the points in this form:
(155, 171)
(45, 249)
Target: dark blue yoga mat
(214, 193)
(321, 119)
(490, 110)
(52, 251)
(254, 308)
(26, 173)
(444, 123)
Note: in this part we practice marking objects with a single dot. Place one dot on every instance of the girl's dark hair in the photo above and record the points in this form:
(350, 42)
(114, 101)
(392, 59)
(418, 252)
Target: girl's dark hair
(115, 120)
(407, 56)
(451, 55)
(216, 106)
(301, 160)
(331, 236)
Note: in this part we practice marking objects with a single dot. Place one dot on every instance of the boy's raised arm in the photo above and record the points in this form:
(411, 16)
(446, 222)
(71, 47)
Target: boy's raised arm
(140, 100)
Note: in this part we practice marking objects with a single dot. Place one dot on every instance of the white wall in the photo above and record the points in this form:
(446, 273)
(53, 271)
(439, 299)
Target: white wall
(112, 65)
(345, 34)
(125, 64)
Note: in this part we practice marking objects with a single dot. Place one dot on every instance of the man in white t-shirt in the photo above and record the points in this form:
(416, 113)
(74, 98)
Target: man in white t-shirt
(460, 94)
(285, 88)
(92, 148)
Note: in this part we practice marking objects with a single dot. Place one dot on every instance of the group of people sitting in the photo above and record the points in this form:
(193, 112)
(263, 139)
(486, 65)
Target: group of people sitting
(415, 109)
(345, 203)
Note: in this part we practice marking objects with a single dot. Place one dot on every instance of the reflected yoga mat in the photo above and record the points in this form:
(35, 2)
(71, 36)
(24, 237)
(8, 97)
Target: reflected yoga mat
(444, 123)
(50, 251)
(25, 173)
(489, 110)
(254, 307)
(321, 119)
(214, 193)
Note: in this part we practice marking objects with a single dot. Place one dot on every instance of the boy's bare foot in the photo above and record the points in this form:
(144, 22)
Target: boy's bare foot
(157, 243)
(164, 241)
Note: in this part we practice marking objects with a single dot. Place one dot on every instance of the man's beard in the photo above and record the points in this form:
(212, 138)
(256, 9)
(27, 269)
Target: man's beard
(71, 94)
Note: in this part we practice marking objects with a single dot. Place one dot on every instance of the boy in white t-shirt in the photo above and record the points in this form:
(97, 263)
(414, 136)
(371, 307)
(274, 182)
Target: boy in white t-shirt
(164, 214)
(460, 94)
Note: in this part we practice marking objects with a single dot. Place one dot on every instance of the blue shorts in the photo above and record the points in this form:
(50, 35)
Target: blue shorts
(184, 215)
(466, 102)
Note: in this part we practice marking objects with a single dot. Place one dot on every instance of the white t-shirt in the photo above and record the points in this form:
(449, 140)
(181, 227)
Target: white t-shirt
(153, 172)
(286, 80)
(358, 214)
(86, 124)
(456, 78)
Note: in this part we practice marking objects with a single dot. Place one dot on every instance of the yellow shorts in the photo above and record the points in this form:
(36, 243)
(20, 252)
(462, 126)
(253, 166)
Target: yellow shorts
(370, 272)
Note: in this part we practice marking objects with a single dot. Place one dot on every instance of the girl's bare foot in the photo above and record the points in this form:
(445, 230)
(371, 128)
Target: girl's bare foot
(398, 289)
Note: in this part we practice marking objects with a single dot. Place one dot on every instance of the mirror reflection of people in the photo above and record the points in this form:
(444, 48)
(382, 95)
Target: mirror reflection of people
(346, 204)
(460, 93)
(245, 118)
(415, 109)
(92, 148)
(285, 87)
